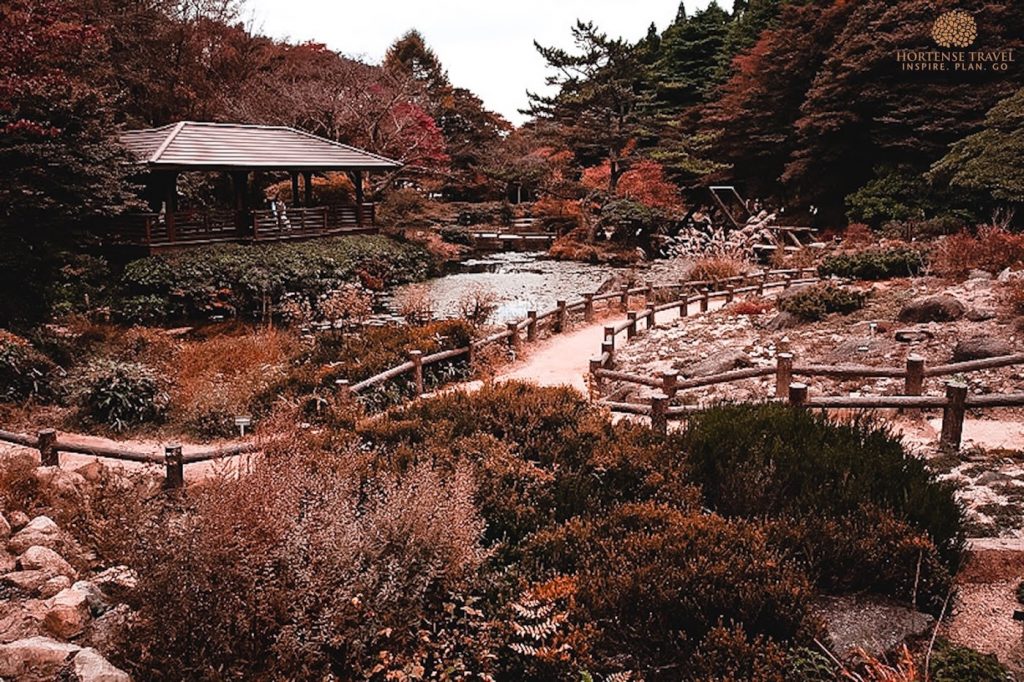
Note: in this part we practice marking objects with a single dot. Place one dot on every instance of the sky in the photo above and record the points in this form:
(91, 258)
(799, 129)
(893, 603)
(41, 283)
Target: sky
(486, 46)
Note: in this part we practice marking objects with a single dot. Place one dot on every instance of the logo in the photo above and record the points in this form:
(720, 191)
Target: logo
(955, 29)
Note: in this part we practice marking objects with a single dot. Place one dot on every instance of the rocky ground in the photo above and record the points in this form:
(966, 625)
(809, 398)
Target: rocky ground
(939, 321)
(56, 620)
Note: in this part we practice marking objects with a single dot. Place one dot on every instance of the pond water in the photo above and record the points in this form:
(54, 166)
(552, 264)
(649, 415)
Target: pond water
(519, 282)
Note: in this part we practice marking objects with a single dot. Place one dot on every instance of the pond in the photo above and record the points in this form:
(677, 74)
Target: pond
(519, 282)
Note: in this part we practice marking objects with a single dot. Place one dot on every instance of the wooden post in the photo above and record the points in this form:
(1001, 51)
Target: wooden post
(705, 299)
(788, 281)
(631, 329)
(561, 317)
(624, 298)
(659, 413)
(596, 381)
(684, 305)
(471, 354)
(609, 348)
(609, 336)
(416, 358)
(651, 323)
(307, 188)
(953, 414)
(760, 284)
(669, 379)
(295, 190)
(174, 465)
(798, 394)
(914, 383)
(357, 180)
(588, 308)
(729, 294)
(531, 325)
(47, 444)
(649, 294)
(513, 338)
(783, 374)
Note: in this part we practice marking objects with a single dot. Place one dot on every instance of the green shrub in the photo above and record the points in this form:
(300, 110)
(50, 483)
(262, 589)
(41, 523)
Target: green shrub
(775, 461)
(235, 279)
(144, 309)
(816, 302)
(120, 394)
(951, 663)
(24, 372)
(874, 264)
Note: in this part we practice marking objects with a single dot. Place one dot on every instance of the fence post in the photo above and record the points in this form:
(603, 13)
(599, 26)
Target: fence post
(561, 317)
(624, 298)
(659, 413)
(797, 394)
(914, 384)
(513, 336)
(651, 323)
(531, 325)
(953, 414)
(47, 444)
(783, 374)
(174, 465)
(416, 358)
(471, 354)
(588, 308)
(669, 379)
(705, 299)
(609, 348)
(649, 293)
(729, 294)
(788, 281)
(596, 381)
(609, 336)
(760, 283)
(684, 305)
(631, 329)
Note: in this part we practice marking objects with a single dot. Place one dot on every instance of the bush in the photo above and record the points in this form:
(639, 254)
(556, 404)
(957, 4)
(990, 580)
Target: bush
(144, 309)
(403, 208)
(874, 264)
(558, 216)
(120, 394)
(235, 279)
(815, 302)
(992, 249)
(951, 663)
(24, 372)
(715, 269)
(771, 460)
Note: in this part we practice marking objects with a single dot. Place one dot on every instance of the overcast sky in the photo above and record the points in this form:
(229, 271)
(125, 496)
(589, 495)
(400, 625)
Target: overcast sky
(486, 46)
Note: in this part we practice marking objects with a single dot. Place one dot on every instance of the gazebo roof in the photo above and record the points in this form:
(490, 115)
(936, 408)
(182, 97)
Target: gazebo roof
(191, 145)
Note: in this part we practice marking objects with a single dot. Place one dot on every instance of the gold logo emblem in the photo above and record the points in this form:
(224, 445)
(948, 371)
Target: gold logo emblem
(955, 29)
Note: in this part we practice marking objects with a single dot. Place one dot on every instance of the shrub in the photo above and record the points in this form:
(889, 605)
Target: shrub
(120, 394)
(1012, 296)
(874, 264)
(403, 208)
(559, 216)
(24, 372)
(751, 306)
(772, 460)
(815, 302)
(951, 663)
(715, 269)
(992, 249)
(144, 309)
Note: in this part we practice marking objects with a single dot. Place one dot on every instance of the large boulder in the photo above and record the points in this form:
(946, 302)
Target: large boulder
(782, 321)
(20, 618)
(40, 531)
(54, 585)
(723, 361)
(869, 624)
(61, 481)
(28, 582)
(67, 613)
(90, 666)
(45, 559)
(35, 658)
(116, 582)
(979, 347)
(940, 308)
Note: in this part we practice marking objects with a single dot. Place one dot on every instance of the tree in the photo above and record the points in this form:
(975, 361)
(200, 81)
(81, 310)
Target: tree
(683, 75)
(989, 161)
(597, 108)
(749, 21)
(57, 165)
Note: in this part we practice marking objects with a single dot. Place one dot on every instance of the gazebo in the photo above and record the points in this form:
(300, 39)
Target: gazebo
(244, 153)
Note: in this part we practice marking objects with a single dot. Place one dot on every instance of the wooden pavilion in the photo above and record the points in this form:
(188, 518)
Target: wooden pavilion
(247, 155)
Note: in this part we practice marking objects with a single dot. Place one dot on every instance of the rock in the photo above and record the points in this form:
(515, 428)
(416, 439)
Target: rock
(98, 602)
(18, 520)
(7, 562)
(913, 335)
(116, 582)
(35, 658)
(1008, 274)
(782, 321)
(981, 314)
(716, 364)
(67, 613)
(40, 531)
(873, 625)
(90, 666)
(62, 481)
(91, 472)
(940, 308)
(979, 347)
(990, 477)
(980, 274)
(106, 629)
(20, 619)
(5, 528)
(26, 581)
(54, 585)
(45, 559)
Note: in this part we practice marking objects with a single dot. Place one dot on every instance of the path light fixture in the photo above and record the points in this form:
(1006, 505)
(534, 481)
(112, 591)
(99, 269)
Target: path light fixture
(241, 422)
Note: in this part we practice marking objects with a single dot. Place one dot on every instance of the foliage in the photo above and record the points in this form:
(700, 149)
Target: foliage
(752, 461)
(557, 215)
(985, 161)
(992, 249)
(950, 662)
(240, 280)
(874, 264)
(24, 372)
(119, 394)
(643, 183)
(815, 302)
(899, 194)
(403, 208)
(715, 269)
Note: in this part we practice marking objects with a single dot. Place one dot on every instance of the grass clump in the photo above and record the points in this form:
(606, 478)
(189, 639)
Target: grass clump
(951, 663)
(991, 249)
(874, 264)
(120, 394)
(814, 303)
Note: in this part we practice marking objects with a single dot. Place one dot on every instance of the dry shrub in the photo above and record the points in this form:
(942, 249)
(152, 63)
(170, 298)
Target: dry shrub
(476, 307)
(560, 216)
(873, 669)
(415, 304)
(858, 234)
(788, 260)
(992, 249)
(715, 269)
(752, 306)
(350, 305)
(574, 247)
(218, 378)
(312, 566)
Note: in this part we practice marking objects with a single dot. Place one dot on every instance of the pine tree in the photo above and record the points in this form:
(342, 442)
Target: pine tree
(684, 73)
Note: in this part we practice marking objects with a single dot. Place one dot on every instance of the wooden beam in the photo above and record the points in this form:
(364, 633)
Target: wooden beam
(307, 182)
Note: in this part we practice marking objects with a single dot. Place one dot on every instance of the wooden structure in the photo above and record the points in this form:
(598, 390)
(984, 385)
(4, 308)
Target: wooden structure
(246, 155)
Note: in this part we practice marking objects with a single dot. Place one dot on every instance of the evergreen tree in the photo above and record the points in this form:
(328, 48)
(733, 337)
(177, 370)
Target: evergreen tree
(749, 21)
